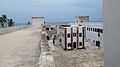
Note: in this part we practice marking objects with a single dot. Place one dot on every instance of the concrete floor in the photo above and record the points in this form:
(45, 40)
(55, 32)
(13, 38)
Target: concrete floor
(20, 48)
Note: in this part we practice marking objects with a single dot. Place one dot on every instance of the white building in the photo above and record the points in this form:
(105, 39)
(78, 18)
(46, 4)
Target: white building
(81, 19)
(72, 36)
(94, 33)
(38, 21)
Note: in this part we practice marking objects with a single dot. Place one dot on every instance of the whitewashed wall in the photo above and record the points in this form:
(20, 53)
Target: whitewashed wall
(93, 36)
(111, 25)
(37, 21)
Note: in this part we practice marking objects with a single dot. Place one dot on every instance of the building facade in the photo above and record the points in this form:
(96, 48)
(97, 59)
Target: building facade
(81, 19)
(72, 37)
(38, 21)
(111, 25)
(94, 33)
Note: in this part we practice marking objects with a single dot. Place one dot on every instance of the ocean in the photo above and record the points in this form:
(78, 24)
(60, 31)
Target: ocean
(19, 24)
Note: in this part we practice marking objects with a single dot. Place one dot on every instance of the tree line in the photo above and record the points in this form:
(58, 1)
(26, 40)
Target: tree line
(5, 22)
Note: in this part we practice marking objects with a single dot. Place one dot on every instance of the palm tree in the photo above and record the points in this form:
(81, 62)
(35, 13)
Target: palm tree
(11, 23)
(4, 17)
(1, 22)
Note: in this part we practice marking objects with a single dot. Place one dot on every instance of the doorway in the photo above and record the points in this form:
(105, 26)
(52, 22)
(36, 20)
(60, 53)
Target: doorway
(74, 44)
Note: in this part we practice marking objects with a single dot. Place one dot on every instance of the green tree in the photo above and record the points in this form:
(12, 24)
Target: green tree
(1, 22)
(10, 23)
(4, 17)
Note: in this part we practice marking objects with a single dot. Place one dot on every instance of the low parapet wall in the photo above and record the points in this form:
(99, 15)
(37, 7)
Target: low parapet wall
(12, 29)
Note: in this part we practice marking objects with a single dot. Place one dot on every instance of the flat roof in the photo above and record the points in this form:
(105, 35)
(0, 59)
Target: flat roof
(37, 17)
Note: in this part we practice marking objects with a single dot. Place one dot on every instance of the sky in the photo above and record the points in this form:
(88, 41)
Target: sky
(52, 10)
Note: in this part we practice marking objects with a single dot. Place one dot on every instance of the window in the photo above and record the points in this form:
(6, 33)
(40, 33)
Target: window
(87, 28)
(101, 30)
(51, 28)
(80, 34)
(98, 30)
(91, 29)
(74, 34)
(47, 37)
(47, 28)
(95, 30)
(60, 40)
(68, 35)
(69, 44)
(98, 34)
(80, 43)
(98, 43)
(93, 41)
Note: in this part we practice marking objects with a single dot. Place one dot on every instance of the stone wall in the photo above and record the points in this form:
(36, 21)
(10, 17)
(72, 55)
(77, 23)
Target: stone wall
(12, 29)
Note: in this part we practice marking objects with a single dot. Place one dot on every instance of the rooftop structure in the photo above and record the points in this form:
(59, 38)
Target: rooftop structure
(81, 19)
(38, 21)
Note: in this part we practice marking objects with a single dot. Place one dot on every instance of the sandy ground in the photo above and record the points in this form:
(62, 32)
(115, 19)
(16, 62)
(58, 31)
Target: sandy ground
(20, 48)
(90, 57)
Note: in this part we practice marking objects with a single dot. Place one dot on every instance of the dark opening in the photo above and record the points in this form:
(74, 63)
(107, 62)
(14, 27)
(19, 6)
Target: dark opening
(98, 30)
(101, 30)
(98, 34)
(74, 44)
(74, 34)
(80, 34)
(69, 44)
(47, 28)
(68, 35)
(87, 28)
(81, 21)
(51, 28)
(60, 40)
(47, 37)
(54, 36)
(80, 43)
(98, 43)
(91, 29)
(93, 41)
(95, 30)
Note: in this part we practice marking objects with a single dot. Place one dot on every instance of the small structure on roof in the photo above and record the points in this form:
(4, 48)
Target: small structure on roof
(38, 21)
(81, 19)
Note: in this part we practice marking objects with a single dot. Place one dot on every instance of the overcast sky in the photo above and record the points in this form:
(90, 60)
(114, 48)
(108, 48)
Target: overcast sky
(52, 10)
